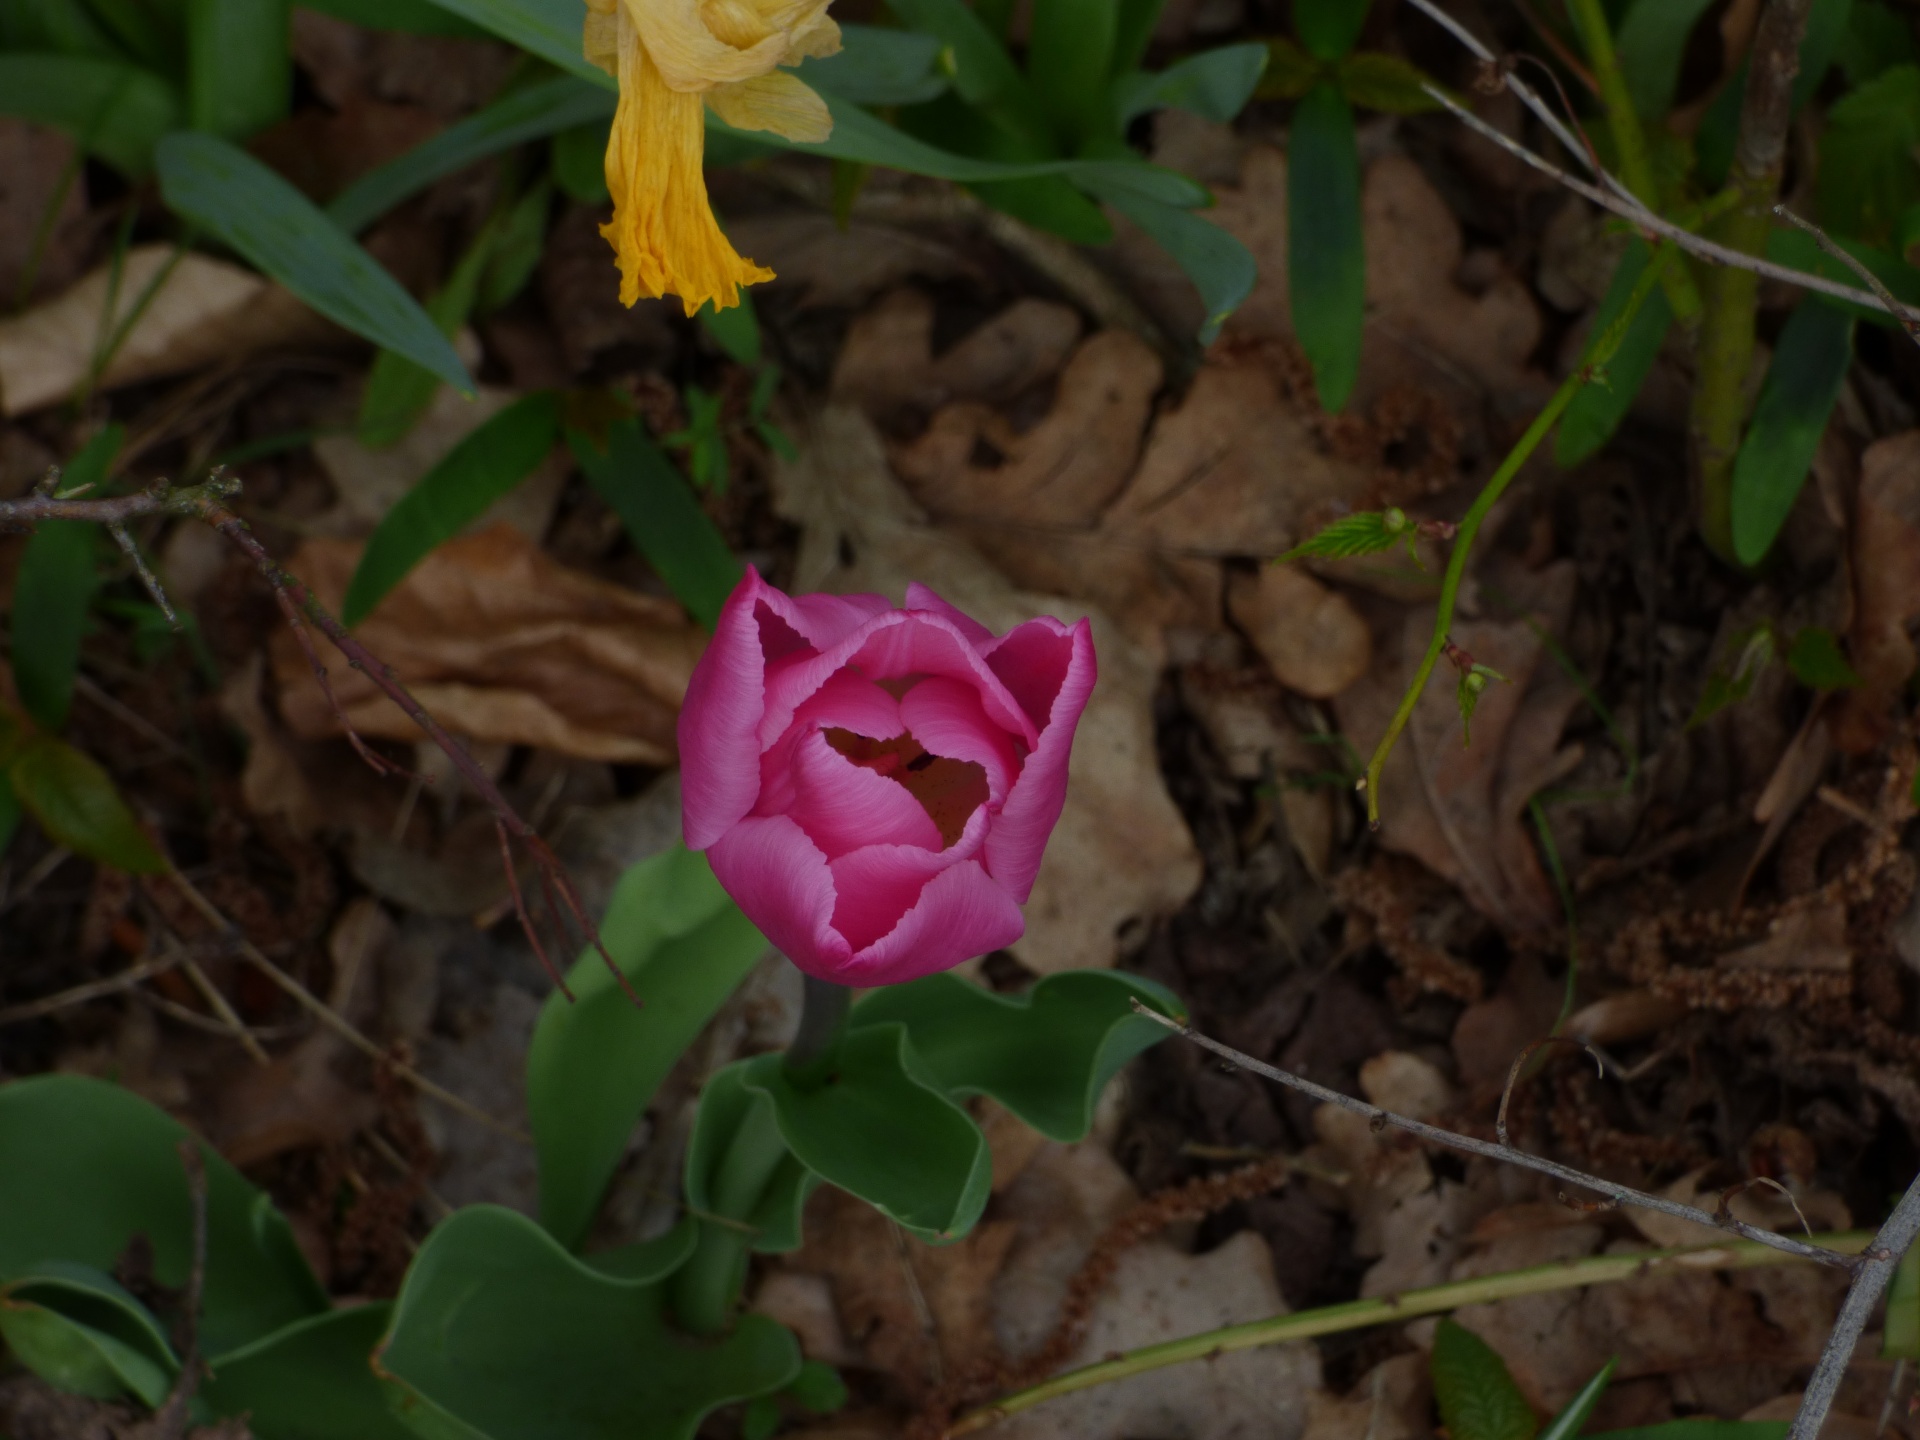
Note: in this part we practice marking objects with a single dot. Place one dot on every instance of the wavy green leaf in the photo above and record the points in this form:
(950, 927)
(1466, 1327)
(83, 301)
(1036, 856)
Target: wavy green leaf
(1045, 1055)
(498, 1333)
(483, 467)
(78, 1329)
(85, 1166)
(311, 1380)
(595, 1062)
(242, 203)
(775, 1216)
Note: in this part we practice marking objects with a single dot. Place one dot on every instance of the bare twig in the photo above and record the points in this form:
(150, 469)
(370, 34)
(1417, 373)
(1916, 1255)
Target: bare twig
(330, 1017)
(217, 1002)
(1618, 1194)
(1871, 1274)
(124, 540)
(92, 990)
(1656, 225)
(1820, 237)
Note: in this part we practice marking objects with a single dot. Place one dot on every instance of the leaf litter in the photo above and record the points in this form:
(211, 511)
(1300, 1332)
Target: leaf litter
(962, 423)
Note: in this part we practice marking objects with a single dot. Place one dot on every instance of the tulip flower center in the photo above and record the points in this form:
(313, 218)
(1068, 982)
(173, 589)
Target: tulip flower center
(948, 790)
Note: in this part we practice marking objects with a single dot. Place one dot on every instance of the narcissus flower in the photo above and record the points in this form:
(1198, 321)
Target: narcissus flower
(672, 58)
(875, 786)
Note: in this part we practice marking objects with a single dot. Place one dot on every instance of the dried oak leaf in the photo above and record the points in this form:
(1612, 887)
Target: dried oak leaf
(1460, 809)
(501, 644)
(204, 311)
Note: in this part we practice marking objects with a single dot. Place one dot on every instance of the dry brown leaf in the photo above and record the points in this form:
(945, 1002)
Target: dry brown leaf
(1311, 635)
(1814, 938)
(1459, 809)
(1390, 1402)
(1623, 1018)
(1886, 578)
(1242, 715)
(205, 310)
(502, 644)
(1121, 853)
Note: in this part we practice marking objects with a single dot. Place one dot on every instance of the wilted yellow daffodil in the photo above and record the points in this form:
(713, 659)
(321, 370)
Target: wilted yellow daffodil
(671, 57)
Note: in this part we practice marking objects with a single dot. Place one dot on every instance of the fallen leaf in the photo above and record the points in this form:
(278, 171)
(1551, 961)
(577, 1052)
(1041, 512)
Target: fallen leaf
(1243, 715)
(204, 311)
(500, 643)
(1121, 853)
(1622, 1018)
(1886, 578)
(1811, 938)
(1460, 809)
(1390, 1402)
(1311, 636)
(821, 264)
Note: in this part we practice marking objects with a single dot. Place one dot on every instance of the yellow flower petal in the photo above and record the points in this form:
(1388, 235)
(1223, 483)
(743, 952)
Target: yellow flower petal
(663, 230)
(819, 37)
(600, 38)
(776, 101)
(688, 55)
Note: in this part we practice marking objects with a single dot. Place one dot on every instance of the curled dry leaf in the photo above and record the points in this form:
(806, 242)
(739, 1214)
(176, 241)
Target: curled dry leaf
(1121, 853)
(1886, 578)
(502, 644)
(1460, 809)
(204, 311)
(1311, 635)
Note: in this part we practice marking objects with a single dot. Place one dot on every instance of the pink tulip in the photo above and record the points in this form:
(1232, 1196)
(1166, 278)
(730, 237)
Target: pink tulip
(874, 787)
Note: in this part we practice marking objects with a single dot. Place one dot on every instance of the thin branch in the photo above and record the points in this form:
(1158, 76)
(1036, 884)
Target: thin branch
(332, 1018)
(1893, 307)
(1619, 1194)
(1656, 225)
(1871, 1275)
(92, 990)
(229, 1017)
(124, 540)
(1559, 1276)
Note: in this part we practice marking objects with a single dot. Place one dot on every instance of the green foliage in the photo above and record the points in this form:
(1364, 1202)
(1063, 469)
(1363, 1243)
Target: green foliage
(1900, 1338)
(1477, 1397)
(1826, 25)
(667, 526)
(596, 1061)
(242, 203)
(1329, 28)
(114, 109)
(1803, 382)
(1326, 255)
(1650, 45)
(1814, 658)
(1362, 534)
(1596, 412)
(1569, 1422)
(239, 66)
(1868, 172)
(1878, 37)
(878, 66)
(80, 1330)
(482, 468)
(1374, 80)
(1728, 684)
(1214, 84)
(735, 329)
(54, 590)
(1473, 683)
(75, 802)
(310, 1380)
(499, 1333)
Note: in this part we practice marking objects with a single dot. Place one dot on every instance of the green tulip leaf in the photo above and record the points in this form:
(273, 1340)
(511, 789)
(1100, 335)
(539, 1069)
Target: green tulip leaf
(311, 1380)
(86, 1166)
(79, 1329)
(500, 1334)
(596, 1061)
(1045, 1055)
(239, 65)
(775, 1217)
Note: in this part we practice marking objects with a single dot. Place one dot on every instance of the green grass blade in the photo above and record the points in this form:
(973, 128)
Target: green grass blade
(115, 109)
(1802, 383)
(239, 66)
(1326, 258)
(1596, 412)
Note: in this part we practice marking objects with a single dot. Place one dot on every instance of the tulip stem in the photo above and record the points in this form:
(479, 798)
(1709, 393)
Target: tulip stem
(823, 1015)
(707, 1287)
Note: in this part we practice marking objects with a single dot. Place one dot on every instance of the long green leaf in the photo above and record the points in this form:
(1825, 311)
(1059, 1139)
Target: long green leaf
(1599, 407)
(239, 66)
(486, 465)
(411, 17)
(52, 593)
(1803, 382)
(1221, 268)
(1069, 61)
(1329, 28)
(398, 389)
(634, 476)
(541, 109)
(499, 1334)
(547, 28)
(1651, 43)
(76, 803)
(236, 199)
(596, 1061)
(876, 66)
(115, 109)
(1576, 1412)
(984, 75)
(1215, 84)
(1326, 258)
(72, 1354)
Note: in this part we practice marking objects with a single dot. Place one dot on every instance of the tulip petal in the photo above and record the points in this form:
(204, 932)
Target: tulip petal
(946, 716)
(826, 620)
(776, 101)
(848, 701)
(962, 912)
(919, 597)
(843, 806)
(1019, 834)
(1032, 661)
(779, 878)
(719, 720)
